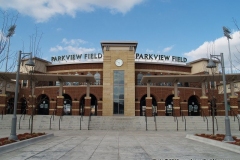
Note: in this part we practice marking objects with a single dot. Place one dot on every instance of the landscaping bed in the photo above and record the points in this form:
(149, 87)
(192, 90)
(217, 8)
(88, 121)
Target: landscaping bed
(21, 137)
(24, 140)
(219, 137)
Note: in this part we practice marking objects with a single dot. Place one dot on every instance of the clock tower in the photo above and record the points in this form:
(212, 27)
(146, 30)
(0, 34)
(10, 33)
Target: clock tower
(118, 78)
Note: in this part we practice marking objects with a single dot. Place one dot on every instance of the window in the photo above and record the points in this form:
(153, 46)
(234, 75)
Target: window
(139, 78)
(118, 92)
(24, 83)
(97, 77)
(76, 83)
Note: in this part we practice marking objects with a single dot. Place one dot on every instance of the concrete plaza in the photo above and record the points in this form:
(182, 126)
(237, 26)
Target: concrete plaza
(119, 145)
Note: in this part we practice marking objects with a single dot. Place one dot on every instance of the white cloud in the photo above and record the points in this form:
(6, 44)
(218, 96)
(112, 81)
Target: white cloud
(74, 42)
(59, 29)
(167, 49)
(218, 46)
(42, 10)
(72, 46)
(149, 51)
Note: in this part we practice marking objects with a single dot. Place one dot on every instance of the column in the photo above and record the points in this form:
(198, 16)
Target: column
(204, 102)
(176, 101)
(149, 106)
(60, 99)
(233, 101)
(60, 105)
(148, 101)
(204, 106)
(184, 108)
(87, 107)
(161, 111)
(137, 108)
(52, 107)
(99, 108)
(32, 105)
(176, 106)
(3, 103)
(75, 108)
(3, 98)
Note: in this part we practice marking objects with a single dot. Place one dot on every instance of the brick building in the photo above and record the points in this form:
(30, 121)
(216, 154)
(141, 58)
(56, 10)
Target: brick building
(119, 81)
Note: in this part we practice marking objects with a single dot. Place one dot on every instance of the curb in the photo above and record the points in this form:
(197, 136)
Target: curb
(24, 143)
(223, 145)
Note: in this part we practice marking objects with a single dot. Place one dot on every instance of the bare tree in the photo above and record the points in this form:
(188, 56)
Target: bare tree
(7, 31)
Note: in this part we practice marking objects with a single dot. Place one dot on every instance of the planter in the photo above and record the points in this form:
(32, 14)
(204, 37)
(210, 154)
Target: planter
(26, 140)
(217, 143)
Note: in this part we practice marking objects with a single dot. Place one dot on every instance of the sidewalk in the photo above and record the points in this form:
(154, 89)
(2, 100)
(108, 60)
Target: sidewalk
(117, 145)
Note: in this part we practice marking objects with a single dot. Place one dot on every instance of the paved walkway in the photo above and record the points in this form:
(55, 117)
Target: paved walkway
(118, 145)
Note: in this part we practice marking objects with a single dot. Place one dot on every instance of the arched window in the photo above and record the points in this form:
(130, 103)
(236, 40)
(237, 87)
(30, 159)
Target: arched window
(139, 78)
(97, 77)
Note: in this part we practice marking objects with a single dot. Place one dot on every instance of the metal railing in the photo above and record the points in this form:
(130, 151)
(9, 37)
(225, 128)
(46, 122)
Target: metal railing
(216, 122)
(146, 121)
(80, 123)
(52, 116)
(29, 120)
(23, 114)
(155, 121)
(184, 120)
(89, 119)
(2, 114)
(59, 123)
(175, 118)
(236, 115)
(205, 118)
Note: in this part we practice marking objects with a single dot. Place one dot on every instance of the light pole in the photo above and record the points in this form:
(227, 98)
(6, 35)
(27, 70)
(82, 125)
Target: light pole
(13, 135)
(227, 34)
(211, 64)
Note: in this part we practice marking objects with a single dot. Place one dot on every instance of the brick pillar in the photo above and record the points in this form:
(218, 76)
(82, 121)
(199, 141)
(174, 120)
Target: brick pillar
(3, 103)
(233, 105)
(137, 108)
(19, 105)
(60, 105)
(75, 108)
(99, 108)
(87, 107)
(204, 105)
(149, 106)
(220, 109)
(32, 105)
(52, 107)
(184, 108)
(176, 106)
(161, 109)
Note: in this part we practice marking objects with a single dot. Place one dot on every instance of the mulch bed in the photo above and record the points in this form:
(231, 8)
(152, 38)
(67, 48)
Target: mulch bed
(21, 137)
(219, 137)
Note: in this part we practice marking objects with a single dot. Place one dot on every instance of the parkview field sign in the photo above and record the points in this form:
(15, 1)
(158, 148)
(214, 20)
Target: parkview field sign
(138, 57)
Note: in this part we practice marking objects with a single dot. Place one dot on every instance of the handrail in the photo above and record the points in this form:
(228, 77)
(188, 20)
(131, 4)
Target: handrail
(21, 117)
(2, 114)
(29, 121)
(146, 121)
(60, 118)
(184, 119)
(155, 122)
(236, 115)
(176, 119)
(89, 119)
(52, 116)
(80, 123)
(216, 122)
(205, 117)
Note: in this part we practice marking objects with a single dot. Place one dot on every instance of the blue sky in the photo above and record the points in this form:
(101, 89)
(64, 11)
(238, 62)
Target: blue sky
(187, 28)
